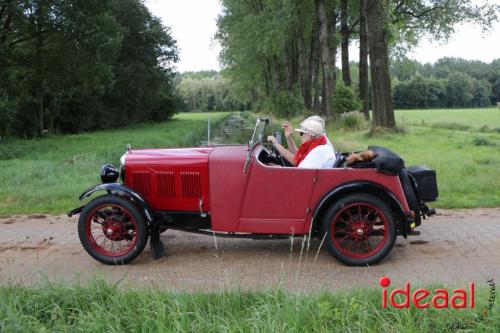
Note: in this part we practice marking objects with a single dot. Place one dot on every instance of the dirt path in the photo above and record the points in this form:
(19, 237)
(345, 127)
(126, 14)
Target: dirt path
(455, 247)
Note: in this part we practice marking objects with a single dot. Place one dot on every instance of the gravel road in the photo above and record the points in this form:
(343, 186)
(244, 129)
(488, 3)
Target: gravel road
(455, 247)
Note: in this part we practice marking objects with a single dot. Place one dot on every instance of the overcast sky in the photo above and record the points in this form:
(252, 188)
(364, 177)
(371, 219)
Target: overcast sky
(193, 24)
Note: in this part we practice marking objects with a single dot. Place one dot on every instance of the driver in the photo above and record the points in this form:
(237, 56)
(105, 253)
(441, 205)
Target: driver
(315, 151)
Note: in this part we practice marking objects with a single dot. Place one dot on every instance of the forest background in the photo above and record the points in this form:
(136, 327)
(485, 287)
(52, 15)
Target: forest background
(68, 66)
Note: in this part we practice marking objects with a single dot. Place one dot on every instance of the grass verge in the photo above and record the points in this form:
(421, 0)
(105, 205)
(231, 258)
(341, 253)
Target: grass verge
(461, 145)
(47, 175)
(101, 307)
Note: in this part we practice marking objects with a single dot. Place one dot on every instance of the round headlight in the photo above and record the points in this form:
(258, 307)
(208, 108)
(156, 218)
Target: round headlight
(109, 174)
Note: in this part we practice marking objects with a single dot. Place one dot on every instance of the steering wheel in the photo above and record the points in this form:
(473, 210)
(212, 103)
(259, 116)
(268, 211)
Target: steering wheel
(277, 154)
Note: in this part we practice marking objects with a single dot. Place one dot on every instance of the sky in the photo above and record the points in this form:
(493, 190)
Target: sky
(193, 24)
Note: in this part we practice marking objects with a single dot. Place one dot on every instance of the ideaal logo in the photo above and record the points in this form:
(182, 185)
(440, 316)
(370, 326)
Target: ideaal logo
(422, 298)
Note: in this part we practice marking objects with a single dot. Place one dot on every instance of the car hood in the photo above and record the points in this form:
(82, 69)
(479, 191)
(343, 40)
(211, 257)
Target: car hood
(171, 156)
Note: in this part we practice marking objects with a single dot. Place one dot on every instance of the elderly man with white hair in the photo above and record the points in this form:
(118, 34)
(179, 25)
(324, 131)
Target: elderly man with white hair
(315, 151)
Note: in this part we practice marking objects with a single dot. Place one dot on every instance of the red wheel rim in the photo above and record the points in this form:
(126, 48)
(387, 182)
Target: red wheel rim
(359, 230)
(111, 230)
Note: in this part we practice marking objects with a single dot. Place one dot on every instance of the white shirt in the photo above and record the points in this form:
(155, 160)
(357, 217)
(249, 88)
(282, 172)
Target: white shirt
(321, 157)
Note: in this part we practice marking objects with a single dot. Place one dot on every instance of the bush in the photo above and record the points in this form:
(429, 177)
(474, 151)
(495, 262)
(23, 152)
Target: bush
(481, 141)
(353, 121)
(345, 100)
(452, 126)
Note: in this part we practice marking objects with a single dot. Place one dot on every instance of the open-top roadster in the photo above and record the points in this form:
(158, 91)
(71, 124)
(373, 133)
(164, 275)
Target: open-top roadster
(233, 191)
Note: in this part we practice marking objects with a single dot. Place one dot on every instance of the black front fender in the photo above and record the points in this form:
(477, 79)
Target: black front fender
(121, 190)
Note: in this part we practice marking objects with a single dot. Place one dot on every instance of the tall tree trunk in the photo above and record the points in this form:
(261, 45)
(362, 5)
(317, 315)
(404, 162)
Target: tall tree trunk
(332, 46)
(269, 78)
(312, 78)
(39, 88)
(325, 58)
(344, 33)
(303, 68)
(383, 112)
(294, 63)
(277, 76)
(316, 107)
(5, 26)
(287, 68)
(363, 62)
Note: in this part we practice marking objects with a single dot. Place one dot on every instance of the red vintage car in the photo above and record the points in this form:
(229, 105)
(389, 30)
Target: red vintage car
(233, 191)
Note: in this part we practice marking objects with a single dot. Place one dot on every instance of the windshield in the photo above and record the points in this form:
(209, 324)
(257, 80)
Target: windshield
(258, 132)
(257, 136)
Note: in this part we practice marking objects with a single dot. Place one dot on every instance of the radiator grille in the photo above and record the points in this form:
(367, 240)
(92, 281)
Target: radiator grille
(165, 184)
(141, 181)
(191, 184)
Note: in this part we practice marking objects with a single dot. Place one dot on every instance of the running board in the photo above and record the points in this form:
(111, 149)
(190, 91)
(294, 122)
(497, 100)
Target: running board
(234, 235)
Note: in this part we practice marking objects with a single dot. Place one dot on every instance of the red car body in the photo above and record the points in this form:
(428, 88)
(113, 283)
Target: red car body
(263, 200)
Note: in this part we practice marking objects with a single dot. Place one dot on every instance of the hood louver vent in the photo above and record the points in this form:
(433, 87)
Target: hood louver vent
(191, 185)
(165, 184)
(141, 181)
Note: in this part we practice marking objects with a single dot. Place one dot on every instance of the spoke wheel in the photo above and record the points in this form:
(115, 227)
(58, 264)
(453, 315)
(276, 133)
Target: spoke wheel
(112, 230)
(360, 229)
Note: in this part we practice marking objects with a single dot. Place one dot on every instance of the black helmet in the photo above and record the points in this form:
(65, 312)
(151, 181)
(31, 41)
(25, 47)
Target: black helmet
(109, 174)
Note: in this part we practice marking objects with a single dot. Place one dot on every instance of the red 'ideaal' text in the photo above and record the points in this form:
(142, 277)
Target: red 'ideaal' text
(422, 298)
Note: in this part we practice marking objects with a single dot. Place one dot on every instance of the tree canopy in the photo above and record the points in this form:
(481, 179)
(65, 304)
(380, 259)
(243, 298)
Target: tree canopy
(74, 65)
(281, 54)
(450, 82)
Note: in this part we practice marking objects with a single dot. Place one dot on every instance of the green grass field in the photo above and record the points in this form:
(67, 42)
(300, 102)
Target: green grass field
(48, 175)
(100, 307)
(467, 159)
(466, 118)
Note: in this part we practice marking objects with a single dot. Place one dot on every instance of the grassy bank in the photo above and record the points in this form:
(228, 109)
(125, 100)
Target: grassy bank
(104, 308)
(48, 175)
(485, 119)
(463, 146)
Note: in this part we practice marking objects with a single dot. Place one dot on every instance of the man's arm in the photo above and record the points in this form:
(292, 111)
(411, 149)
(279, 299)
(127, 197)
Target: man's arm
(291, 144)
(287, 129)
(287, 155)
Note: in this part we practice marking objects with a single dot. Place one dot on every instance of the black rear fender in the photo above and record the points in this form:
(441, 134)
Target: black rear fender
(403, 219)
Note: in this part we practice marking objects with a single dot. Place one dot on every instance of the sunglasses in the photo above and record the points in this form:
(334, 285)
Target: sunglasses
(302, 133)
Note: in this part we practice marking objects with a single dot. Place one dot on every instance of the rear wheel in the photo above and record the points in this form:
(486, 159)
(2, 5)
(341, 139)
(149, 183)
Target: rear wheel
(359, 229)
(112, 230)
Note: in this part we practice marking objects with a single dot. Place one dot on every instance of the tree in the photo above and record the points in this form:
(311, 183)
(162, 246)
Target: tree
(363, 61)
(459, 89)
(344, 32)
(410, 20)
(481, 93)
(383, 112)
(326, 70)
(64, 63)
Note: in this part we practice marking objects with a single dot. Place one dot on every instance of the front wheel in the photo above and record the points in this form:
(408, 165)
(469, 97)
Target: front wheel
(112, 230)
(359, 229)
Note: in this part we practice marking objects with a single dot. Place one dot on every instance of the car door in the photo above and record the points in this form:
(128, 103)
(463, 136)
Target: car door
(276, 199)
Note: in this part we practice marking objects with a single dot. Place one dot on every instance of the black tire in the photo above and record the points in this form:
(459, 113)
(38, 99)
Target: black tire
(371, 223)
(114, 220)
